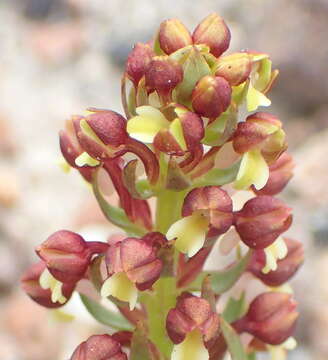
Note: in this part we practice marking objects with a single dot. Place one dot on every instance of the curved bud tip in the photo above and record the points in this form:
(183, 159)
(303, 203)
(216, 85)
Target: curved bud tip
(66, 254)
(99, 347)
(261, 220)
(173, 35)
(214, 33)
(211, 96)
(138, 62)
(271, 317)
(163, 75)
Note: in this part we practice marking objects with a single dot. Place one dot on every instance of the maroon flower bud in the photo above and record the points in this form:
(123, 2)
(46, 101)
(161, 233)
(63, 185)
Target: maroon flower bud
(214, 33)
(191, 313)
(235, 68)
(30, 284)
(99, 347)
(262, 220)
(173, 35)
(211, 96)
(287, 267)
(67, 255)
(163, 75)
(281, 171)
(271, 318)
(261, 131)
(138, 62)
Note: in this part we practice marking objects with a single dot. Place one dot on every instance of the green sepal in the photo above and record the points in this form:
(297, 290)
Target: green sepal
(232, 339)
(114, 214)
(105, 316)
(235, 309)
(194, 67)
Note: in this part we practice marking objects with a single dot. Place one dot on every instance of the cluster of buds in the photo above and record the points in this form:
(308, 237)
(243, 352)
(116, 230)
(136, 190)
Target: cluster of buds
(181, 97)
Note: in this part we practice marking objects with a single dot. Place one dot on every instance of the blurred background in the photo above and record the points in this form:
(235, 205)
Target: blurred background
(58, 57)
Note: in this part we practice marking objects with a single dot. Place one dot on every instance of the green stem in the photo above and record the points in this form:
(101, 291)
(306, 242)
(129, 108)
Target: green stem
(158, 303)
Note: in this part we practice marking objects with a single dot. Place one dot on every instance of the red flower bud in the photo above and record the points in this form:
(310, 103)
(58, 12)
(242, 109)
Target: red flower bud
(262, 220)
(99, 347)
(173, 35)
(211, 96)
(260, 131)
(214, 203)
(30, 284)
(138, 62)
(190, 313)
(287, 267)
(281, 171)
(271, 318)
(163, 75)
(214, 33)
(66, 255)
(235, 68)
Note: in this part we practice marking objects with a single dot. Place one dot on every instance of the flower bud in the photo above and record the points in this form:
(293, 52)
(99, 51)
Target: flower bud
(173, 35)
(271, 318)
(138, 62)
(261, 220)
(163, 75)
(132, 265)
(99, 347)
(66, 255)
(211, 96)
(235, 68)
(30, 284)
(281, 171)
(286, 267)
(191, 326)
(214, 33)
(261, 131)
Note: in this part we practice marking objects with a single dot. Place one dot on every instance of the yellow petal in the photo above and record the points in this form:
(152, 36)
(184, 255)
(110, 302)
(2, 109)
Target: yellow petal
(145, 126)
(177, 131)
(86, 159)
(192, 348)
(190, 232)
(255, 99)
(47, 281)
(253, 171)
(276, 251)
(121, 287)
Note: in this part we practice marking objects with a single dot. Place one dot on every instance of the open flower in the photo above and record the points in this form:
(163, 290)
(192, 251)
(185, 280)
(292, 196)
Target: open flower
(191, 326)
(177, 132)
(43, 295)
(132, 265)
(261, 140)
(206, 211)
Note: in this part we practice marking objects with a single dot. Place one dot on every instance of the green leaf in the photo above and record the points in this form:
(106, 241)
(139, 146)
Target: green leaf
(235, 309)
(105, 316)
(235, 346)
(114, 214)
(219, 177)
(224, 280)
